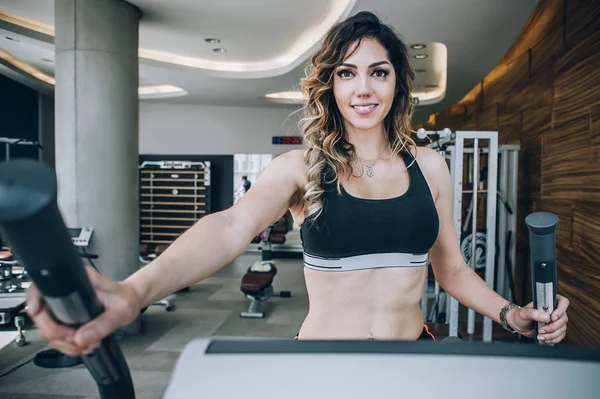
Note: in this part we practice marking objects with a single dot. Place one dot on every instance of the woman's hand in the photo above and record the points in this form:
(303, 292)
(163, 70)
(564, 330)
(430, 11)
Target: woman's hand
(552, 333)
(121, 306)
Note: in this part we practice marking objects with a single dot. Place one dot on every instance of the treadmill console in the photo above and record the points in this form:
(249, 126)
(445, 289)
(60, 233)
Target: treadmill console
(81, 236)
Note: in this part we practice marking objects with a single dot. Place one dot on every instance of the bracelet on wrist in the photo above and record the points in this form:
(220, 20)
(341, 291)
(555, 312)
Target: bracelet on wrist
(504, 312)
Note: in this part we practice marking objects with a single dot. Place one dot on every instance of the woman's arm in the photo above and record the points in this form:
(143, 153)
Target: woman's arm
(217, 239)
(449, 267)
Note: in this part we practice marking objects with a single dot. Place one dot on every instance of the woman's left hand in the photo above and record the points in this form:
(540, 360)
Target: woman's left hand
(552, 333)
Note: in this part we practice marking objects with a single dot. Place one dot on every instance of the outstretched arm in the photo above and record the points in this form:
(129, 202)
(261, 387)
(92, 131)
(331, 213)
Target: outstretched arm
(219, 238)
(461, 282)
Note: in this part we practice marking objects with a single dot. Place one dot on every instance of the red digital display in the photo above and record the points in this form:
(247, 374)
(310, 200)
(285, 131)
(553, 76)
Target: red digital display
(287, 140)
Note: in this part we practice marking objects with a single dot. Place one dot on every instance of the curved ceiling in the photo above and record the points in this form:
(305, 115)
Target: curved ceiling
(272, 40)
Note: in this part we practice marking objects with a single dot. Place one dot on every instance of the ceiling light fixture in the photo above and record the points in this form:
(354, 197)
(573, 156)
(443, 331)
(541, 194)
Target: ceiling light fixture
(284, 97)
(220, 50)
(212, 40)
(418, 46)
(144, 92)
(293, 55)
(420, 56)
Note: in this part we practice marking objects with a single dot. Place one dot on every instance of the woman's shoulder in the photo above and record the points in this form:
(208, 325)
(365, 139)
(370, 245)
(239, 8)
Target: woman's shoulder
(432, 164)
(293, 163)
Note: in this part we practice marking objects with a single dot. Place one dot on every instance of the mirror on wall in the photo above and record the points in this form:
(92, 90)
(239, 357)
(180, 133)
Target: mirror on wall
(249, 166)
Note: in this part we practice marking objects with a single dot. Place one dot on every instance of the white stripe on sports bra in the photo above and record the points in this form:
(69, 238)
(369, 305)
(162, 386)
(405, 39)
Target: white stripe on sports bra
(370, 261)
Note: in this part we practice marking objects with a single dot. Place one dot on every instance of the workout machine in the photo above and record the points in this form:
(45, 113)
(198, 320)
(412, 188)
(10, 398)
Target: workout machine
(14, 281)
(8, 142)
(286, 242)
(30, 220)
(257, 283)
(495, 258)
(174, 195)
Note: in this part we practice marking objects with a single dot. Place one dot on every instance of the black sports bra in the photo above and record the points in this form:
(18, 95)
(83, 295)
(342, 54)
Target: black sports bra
(354, 233)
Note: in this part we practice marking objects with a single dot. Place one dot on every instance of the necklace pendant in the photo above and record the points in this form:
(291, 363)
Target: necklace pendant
(369, 171)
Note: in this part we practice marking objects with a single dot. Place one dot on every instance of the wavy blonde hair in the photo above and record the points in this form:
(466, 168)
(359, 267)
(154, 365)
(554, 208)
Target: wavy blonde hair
(322, 124)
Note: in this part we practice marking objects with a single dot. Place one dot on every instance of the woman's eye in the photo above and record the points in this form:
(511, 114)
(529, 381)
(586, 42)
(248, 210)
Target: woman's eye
(345, 73)
(381, 73)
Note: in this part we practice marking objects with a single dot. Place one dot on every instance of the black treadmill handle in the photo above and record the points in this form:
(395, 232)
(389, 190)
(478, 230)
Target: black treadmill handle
(31, 222)
(542, 243)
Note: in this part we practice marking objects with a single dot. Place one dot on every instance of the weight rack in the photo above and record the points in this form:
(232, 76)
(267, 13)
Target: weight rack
(174, 195)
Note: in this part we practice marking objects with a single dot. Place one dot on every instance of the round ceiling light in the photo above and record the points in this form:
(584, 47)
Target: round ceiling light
(420, 56)
(220, 50)
(212, 40)
(418, 46)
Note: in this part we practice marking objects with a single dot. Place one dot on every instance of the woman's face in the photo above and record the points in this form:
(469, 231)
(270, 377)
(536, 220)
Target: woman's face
(364, 86)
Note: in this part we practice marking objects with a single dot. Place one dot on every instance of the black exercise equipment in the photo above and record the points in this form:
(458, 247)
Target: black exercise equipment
(257, 283)
(32, 224)
(542, 242)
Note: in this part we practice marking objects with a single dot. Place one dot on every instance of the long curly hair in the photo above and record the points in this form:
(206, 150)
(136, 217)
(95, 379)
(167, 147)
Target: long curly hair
(322, 124)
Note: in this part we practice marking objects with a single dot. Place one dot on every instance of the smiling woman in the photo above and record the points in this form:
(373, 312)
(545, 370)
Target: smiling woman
(372, 208)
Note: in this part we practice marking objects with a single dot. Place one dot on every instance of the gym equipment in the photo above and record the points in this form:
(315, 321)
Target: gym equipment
(492, 256)
(174, 195)
(257, 283)
(28, 213)
(542, 241)
(285, 240)
(8, 142)
(31, 222)
(13, 285)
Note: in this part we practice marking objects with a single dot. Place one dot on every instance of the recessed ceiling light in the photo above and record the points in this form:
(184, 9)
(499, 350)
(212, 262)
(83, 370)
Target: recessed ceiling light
(420, 56)
(418, 46)
(220, 50)
(212, 40)
(12, 39)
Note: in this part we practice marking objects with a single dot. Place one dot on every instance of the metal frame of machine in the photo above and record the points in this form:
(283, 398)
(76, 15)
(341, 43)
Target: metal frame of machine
(502, 181)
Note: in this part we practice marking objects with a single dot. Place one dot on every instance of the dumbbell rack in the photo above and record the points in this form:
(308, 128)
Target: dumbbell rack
(174, 195)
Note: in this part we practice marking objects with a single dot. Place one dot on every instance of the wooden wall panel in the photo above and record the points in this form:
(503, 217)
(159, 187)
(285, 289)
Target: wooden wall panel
(595, 134)
(544, 95)
(578, 253)
(536, 120)
(493, 91)
(516, 79)
(488, 118)
(582, 19)
(545, 52)
(577, 80)
(567, 170)
(509, 128)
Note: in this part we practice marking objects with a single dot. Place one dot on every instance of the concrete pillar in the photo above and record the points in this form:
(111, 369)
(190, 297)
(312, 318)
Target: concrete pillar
(97, 118)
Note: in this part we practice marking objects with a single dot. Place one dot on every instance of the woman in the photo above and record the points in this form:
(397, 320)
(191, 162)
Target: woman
(370, 204)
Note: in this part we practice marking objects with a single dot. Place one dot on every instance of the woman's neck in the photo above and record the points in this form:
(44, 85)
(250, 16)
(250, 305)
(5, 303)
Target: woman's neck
(369, 145)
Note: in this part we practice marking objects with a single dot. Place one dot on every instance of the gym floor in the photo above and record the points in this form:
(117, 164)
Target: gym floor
(209, 309)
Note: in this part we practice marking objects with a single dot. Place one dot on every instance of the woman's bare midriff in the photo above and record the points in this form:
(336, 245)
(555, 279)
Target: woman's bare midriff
(376, 304)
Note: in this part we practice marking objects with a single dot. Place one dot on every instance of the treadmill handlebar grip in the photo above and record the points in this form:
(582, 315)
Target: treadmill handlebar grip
(32, 224)
(542, 242)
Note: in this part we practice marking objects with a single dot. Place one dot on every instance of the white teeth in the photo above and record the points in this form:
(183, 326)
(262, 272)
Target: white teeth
(364, 107)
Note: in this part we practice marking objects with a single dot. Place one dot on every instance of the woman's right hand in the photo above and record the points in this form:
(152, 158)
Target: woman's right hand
(121, 307)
